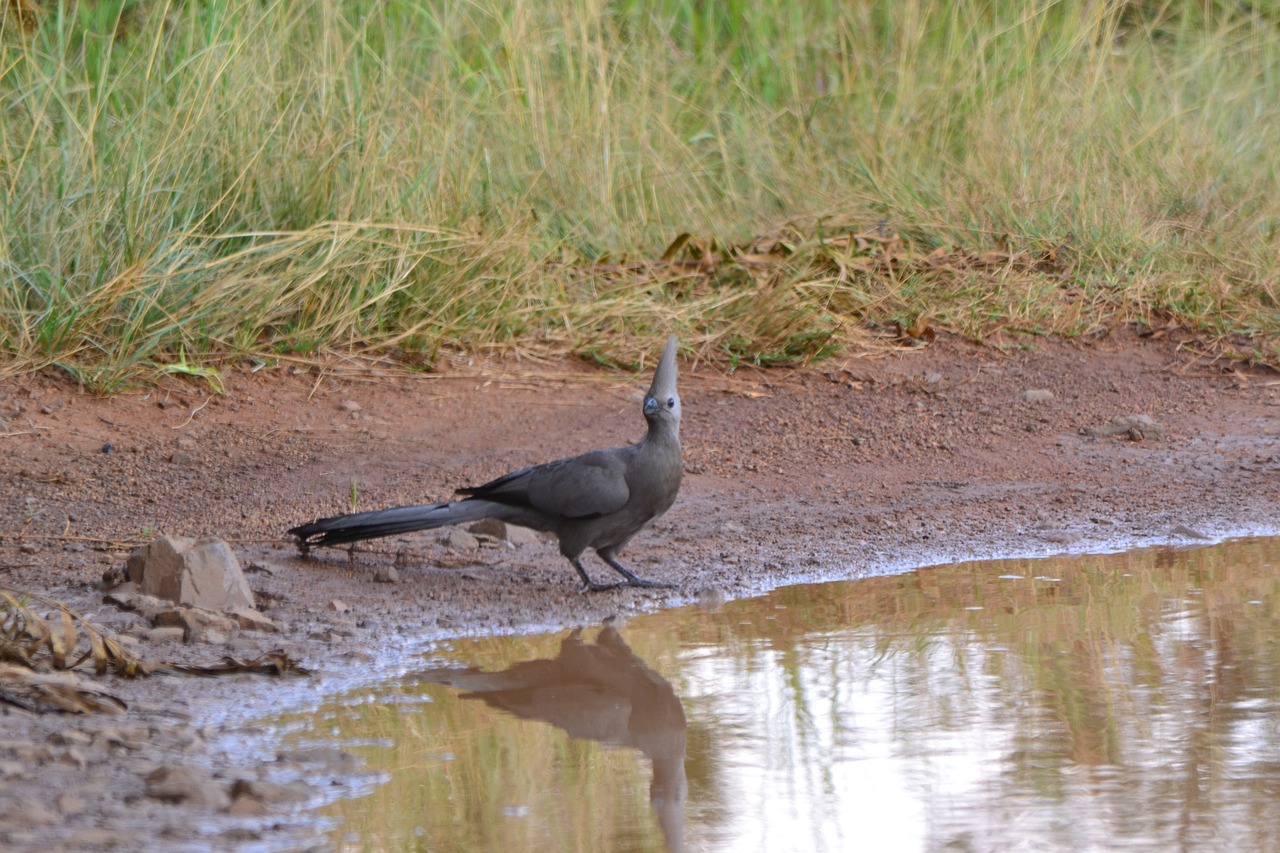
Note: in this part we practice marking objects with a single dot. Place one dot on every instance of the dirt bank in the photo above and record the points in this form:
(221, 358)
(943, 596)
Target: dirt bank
(847, 469)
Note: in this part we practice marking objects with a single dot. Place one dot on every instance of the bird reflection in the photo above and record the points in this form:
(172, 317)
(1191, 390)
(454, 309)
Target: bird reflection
(600, 692)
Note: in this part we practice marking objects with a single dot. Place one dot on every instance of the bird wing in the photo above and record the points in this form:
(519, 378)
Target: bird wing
(586, 486)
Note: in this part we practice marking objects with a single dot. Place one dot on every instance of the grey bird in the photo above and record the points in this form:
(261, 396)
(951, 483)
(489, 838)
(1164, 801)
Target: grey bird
(599, 500)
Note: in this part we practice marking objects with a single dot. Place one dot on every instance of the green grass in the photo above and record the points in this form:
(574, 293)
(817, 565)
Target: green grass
(208, 181)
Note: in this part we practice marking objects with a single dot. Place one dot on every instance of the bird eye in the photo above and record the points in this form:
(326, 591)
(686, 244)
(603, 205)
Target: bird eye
(671, 402)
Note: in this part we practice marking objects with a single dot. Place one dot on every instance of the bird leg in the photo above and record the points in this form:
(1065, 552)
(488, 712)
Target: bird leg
(606, 554)
(588, 585)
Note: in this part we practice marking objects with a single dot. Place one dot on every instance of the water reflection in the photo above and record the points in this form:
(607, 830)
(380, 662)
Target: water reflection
(600, 692)
(1121, 702)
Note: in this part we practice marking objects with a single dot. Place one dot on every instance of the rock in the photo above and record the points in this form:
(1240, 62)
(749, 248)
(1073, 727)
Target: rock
(188, 785)
(252, 620)
(70, 805)
(272, 793)
(1133, 427)
(459, 540)
(26, 812)
(1037, 395)
(181, 457)
(350, 406)
(202, 573)
(29, 548)
(338, 606)
(710, 599)
(522, 536)
(116, 577)
(1187, 532)
(169, 634)
(494, 528)
(327, 757)
(198, 625)
(386, 574)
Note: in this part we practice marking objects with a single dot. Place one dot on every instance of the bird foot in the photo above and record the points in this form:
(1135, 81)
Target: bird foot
(592, 586)
(650, 584)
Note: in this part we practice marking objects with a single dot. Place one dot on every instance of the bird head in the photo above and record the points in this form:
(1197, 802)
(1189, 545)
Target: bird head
(662, 403)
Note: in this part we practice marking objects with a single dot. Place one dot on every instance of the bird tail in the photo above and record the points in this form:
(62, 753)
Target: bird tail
(356, 527)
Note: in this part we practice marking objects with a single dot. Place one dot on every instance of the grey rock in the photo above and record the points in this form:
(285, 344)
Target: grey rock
(202, 572)
(181, 457)
(386, 574)
(338, 606)
(1037, 395)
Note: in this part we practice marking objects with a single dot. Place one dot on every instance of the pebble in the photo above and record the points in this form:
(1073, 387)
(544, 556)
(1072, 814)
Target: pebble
(190, 785)
(386, 574)
(459, 540)
(1037, 395)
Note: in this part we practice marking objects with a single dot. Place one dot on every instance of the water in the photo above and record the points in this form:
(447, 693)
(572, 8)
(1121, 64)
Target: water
(1120, 702)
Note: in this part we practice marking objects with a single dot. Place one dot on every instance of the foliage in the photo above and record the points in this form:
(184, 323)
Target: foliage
(188, 184)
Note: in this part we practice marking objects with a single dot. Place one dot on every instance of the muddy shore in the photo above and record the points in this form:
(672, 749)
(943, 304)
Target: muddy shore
(851, 468)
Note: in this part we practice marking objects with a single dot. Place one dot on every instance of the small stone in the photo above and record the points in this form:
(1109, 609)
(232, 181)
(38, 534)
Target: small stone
(272, 793)
(330, 757)
(459, 540)
(522, 536)
(115, 577)
(710, 599)
(29, 548)
(350, 406)
(27, 812)
(190, 785)
(181, 457)
(168, 634)
(1037, 395)
(199, 625)
(69, 737)
(252, 620)
(494, 528)
(247, 807)
(337, 605)
(386, 574)
(70, 805)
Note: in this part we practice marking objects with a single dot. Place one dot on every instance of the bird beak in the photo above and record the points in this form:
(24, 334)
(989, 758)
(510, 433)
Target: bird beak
(651, 406)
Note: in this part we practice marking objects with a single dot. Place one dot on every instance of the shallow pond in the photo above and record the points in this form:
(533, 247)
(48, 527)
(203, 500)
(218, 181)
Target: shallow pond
(1119, 702)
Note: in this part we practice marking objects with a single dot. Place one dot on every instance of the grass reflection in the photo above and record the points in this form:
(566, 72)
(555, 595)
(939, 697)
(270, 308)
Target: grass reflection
(1113, 702)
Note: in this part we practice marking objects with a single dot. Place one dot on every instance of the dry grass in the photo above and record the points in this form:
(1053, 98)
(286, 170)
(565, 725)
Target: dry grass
(186, 185)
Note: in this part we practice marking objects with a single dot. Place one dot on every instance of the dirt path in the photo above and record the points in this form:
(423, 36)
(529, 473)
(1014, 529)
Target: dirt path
(848, 469)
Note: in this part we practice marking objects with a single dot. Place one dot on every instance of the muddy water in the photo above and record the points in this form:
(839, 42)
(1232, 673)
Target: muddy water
(1121, 702)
